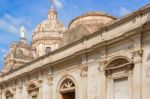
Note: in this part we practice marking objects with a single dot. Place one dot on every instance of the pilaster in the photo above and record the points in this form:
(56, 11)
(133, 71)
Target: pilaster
(50, 82)
(102, 64)
(40, 81)
(137, 71)
(84, 74)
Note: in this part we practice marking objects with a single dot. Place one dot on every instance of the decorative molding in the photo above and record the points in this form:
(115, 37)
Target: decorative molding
(137, 54)
(50, 80)
(84, 70)
(103, 63)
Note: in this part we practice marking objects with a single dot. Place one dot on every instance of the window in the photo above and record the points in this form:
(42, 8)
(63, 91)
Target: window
(33, 91)
(9, 95)
(34, 97)
(48, 49)
(121, 88)
(118, 74)
(67, 89)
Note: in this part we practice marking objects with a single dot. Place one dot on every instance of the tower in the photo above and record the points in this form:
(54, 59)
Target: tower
(47, 35)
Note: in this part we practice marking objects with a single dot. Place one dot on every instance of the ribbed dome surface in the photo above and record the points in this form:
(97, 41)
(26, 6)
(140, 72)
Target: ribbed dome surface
(92, 20)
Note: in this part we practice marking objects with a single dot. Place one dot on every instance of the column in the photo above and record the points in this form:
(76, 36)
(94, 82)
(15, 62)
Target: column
(25, 92)
(84, 75)
(40, 82)
(19, 92)
(137, 70)
(137, 76)
(14, 92)
(130, 82)
(1, 93)
(103, 85)
(40, 89)
(102, 65)
(50, 82)
(19, 89)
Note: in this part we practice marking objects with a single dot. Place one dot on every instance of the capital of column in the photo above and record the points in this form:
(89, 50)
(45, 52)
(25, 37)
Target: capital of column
(102, 64)
(14, 89)
(19, 87)
(39, 83)
(137, 54)
(84, 70)
(50, 80)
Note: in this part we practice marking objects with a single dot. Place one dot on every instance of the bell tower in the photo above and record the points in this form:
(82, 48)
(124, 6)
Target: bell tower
(47, 35)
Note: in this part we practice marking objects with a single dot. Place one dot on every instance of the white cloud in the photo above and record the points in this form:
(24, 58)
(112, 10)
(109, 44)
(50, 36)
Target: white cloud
(3, 50)
(10, 24)
(58, 3)
(123, 11)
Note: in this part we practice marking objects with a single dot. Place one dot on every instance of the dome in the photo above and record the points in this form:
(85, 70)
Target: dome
(49, 28)
(84, 25)
(49, 25)
(18, 55)
(92, 20)
(47, 35)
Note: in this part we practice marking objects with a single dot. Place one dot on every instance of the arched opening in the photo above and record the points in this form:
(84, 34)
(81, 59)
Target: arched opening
(33, 91)
(119, 79)
(67, 89)
(9, 95)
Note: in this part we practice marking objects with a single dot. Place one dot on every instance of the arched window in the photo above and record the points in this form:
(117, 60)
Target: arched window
(33, 91)
(67, 89)
(9, 95)
(119, 74)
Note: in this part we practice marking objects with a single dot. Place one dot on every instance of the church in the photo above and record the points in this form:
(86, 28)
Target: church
(98, 56)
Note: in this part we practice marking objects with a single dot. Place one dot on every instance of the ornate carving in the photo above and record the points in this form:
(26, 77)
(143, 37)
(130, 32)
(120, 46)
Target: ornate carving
(50, 80)
(14, 89)
(103, 64)
(84, 70)
(118, 62)
(67, 84)
(137, 55)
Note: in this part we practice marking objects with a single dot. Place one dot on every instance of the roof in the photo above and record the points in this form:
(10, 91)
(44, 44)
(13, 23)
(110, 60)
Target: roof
(92, 14)
(74, 34)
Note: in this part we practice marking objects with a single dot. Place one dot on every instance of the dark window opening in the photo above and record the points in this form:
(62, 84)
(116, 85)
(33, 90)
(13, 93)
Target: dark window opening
(48, 49)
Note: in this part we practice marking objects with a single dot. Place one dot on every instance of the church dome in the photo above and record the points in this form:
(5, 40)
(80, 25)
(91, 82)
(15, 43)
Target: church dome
(84, 25)
(47, 35)
(19, 54)
(48, 28)
(92, 20)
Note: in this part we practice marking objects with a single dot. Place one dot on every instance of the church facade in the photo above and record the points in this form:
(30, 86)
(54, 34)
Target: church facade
(97, 57)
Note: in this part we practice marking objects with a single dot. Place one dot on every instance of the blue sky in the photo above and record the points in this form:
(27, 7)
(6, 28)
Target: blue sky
(15, 13)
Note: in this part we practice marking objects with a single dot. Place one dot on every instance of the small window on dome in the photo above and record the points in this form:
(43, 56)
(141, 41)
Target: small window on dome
(48, 49)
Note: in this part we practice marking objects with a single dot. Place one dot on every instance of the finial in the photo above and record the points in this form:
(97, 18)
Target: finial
(52, 13)
(52, 3)
(22, 31)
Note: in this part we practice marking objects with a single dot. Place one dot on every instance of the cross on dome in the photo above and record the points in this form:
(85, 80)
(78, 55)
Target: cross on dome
(52, 3)
(52, 13)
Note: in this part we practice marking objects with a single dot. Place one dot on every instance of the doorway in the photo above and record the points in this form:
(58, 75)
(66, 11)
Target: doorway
(68, 95)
